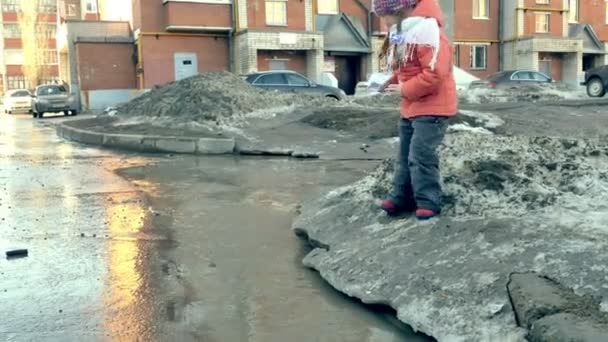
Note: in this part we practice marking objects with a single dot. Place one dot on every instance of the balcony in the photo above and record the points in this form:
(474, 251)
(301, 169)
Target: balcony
(197, 16)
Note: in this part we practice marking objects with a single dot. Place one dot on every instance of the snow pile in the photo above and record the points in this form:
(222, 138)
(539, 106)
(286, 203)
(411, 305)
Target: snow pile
(475, 122)
(528, 93)
(504, 176)
(376, 99)
(217, 97)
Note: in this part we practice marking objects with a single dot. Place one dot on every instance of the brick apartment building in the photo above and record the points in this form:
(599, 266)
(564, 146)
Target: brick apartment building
(12, 57)
(127, 46)
(476, 36)
(176, 39)
(561, 38)
(97, 50)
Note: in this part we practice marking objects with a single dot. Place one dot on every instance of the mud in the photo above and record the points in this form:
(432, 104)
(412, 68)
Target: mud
(376, 123)
(366, 122)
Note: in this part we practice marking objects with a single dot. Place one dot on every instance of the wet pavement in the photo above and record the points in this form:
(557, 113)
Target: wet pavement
(87, 276)
(188, 248)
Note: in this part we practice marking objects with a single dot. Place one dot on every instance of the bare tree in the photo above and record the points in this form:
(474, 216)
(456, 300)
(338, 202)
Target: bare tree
(34, 41)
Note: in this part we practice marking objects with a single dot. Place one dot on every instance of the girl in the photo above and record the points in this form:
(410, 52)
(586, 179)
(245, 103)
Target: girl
(420, 57)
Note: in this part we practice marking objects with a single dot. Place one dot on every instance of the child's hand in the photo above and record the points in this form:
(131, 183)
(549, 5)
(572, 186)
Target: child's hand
(393, 89)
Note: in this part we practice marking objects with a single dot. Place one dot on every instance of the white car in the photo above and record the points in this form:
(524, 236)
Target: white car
(17, 100)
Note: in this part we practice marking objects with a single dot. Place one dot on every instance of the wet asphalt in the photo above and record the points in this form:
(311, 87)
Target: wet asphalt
(125, 247)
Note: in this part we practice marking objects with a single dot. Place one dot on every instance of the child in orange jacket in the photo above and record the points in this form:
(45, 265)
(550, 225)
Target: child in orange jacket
(420, 57)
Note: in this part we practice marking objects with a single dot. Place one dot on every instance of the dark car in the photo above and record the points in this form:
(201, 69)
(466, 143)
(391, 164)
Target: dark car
(511, 79)
(52, 98)
(290, 81)
(596, 81)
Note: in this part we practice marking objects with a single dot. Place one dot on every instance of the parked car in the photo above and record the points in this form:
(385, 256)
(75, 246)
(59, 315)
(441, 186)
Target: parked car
(17, 100)
(596, 81)
(511, 79)
(290, 81)
(52, 98)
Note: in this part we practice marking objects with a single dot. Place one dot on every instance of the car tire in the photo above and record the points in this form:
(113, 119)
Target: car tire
(74, 112)
(595, 87)
(34, 115)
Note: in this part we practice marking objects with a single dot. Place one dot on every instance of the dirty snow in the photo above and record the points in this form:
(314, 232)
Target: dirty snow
(216, 98)
(530, 93)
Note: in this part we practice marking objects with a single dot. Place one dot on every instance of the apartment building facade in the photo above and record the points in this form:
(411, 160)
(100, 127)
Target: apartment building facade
(561, 38)
(12, 58)
(476, 36)
(177, 38)
(97, 54)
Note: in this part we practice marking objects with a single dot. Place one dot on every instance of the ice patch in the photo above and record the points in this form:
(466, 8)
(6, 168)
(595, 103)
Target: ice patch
(488, 120)
(467, 128)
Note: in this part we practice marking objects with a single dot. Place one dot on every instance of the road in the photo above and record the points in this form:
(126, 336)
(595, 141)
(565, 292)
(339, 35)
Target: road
(164, 248)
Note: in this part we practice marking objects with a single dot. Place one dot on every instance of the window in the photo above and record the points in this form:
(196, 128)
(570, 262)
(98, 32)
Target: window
(91, 6)
(272, 79)
(49, 57)
(52, 80)
(479, 57)
(276, 12)
(50, 90)
(573, 11)
(251, 78)
(48, 6)
(481, 9)
(537, 76)
(15, 82)
(542, 2)
(497, 76)
(10, 6)
(328, 6)
(48, 31)
(13, 57)
(542, 22)
(297, 80)
(21, 93)
(522, 76)
(457, 55)
(71, 9)
(12, 31)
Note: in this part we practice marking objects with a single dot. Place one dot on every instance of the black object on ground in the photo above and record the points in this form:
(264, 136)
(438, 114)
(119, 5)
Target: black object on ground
(17, 253)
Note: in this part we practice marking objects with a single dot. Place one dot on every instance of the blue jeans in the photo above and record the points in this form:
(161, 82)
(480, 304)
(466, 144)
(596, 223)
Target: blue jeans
(417, 179)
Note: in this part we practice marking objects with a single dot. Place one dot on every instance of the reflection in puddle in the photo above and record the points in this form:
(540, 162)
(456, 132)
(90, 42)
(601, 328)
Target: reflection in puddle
(125, 285)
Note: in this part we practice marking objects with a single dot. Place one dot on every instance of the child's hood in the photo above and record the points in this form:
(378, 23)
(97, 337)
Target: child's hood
(429, 9)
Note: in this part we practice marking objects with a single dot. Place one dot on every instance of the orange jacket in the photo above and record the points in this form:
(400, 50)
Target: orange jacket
(426, 91)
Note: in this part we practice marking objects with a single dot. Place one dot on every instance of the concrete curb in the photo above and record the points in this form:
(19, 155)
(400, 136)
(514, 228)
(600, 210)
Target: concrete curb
(147, 143)
(551, 312)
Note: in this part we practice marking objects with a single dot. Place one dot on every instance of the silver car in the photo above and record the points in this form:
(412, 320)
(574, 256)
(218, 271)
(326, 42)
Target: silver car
(52, 98)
